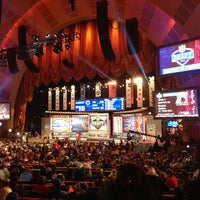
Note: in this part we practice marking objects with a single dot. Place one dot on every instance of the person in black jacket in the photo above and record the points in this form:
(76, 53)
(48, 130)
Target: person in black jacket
(57, 192)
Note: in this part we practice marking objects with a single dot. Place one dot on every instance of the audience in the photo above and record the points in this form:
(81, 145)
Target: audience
(122, 170)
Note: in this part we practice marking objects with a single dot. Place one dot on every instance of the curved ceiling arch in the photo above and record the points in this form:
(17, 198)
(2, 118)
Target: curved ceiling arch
(163, 22)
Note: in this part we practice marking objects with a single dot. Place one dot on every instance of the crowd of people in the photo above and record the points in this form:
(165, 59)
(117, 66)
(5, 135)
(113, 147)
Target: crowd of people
(122, 171)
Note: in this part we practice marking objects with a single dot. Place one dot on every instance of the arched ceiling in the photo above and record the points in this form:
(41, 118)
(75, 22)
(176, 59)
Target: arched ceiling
(163, 22)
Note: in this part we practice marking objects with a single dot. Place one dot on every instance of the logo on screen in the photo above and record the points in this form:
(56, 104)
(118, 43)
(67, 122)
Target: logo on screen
(98, 122)
(182, 55)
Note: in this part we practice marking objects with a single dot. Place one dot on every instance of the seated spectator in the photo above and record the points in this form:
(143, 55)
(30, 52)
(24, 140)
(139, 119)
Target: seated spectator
(130, 184)
(57, 192)
(171, 180)
(6, 189)
(62, 185)
(2, 173)
(42, 185)
(12, 196)
(153, 179)
(26, 175)
(193, 191)
(113, 174)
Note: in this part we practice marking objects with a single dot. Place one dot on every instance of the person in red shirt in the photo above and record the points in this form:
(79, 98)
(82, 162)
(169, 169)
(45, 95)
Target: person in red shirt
(171, 180)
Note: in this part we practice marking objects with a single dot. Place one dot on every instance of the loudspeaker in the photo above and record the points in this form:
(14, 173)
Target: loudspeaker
(23, 54)
(67, 63)
(103, 30)
(132, 36)
(12, 64)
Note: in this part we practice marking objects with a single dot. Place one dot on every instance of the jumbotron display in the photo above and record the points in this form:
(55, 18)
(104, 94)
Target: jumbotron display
(108, 104)
(179, 103)
(179, 57)
(5, 111)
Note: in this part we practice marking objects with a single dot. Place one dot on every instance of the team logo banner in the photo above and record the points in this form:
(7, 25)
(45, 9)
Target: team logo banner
(112, 90)
(57, 99)
(98, 89)
(50, 99)
(73, 97)
(139, 94)
(82, 92)
(64, 89)
(151, 89)
(129, 96)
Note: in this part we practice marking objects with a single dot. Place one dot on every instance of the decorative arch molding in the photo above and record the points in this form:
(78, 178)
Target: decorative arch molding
(88, 60)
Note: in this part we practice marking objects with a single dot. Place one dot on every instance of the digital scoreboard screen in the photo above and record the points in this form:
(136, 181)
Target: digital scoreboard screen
(179, 57)
(108, 104)
(180, 103)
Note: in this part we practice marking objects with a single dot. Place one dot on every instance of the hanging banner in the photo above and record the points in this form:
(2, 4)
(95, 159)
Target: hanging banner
(98, 89)
(73, 97)
(57, 98)
(82, 91)
(112, 90)
(139, 94)
(50, 99)
(129, 93)
(151, 90)
(64, 89)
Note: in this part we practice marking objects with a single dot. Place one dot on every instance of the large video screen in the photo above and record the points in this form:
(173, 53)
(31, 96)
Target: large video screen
(5, 111)
(180, 103)
(108, 104)
(179, 58)
(60, 123)
(79, 123)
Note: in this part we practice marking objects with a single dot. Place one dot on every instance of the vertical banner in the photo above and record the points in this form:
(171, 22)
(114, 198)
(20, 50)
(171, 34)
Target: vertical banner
(50, 99)
(73, 97)
(98, 89)
(57, 98)
(129, 93)
(112, 89)
(139, 93)
(151, 90)
(82, 91)
(64, 89)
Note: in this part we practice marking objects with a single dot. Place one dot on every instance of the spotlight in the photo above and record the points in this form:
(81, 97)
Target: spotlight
(35, 37)
(67, 42)
(48, 35)
(57, 45)
(67, 46)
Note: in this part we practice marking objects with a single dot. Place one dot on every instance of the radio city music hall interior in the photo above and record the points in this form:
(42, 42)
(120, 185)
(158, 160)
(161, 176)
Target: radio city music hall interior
(105, 71)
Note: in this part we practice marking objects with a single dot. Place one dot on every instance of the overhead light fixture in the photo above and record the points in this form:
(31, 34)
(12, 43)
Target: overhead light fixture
(67, 42)
(57, 44)
(35, 37)
(37, 46)
(39, 51)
